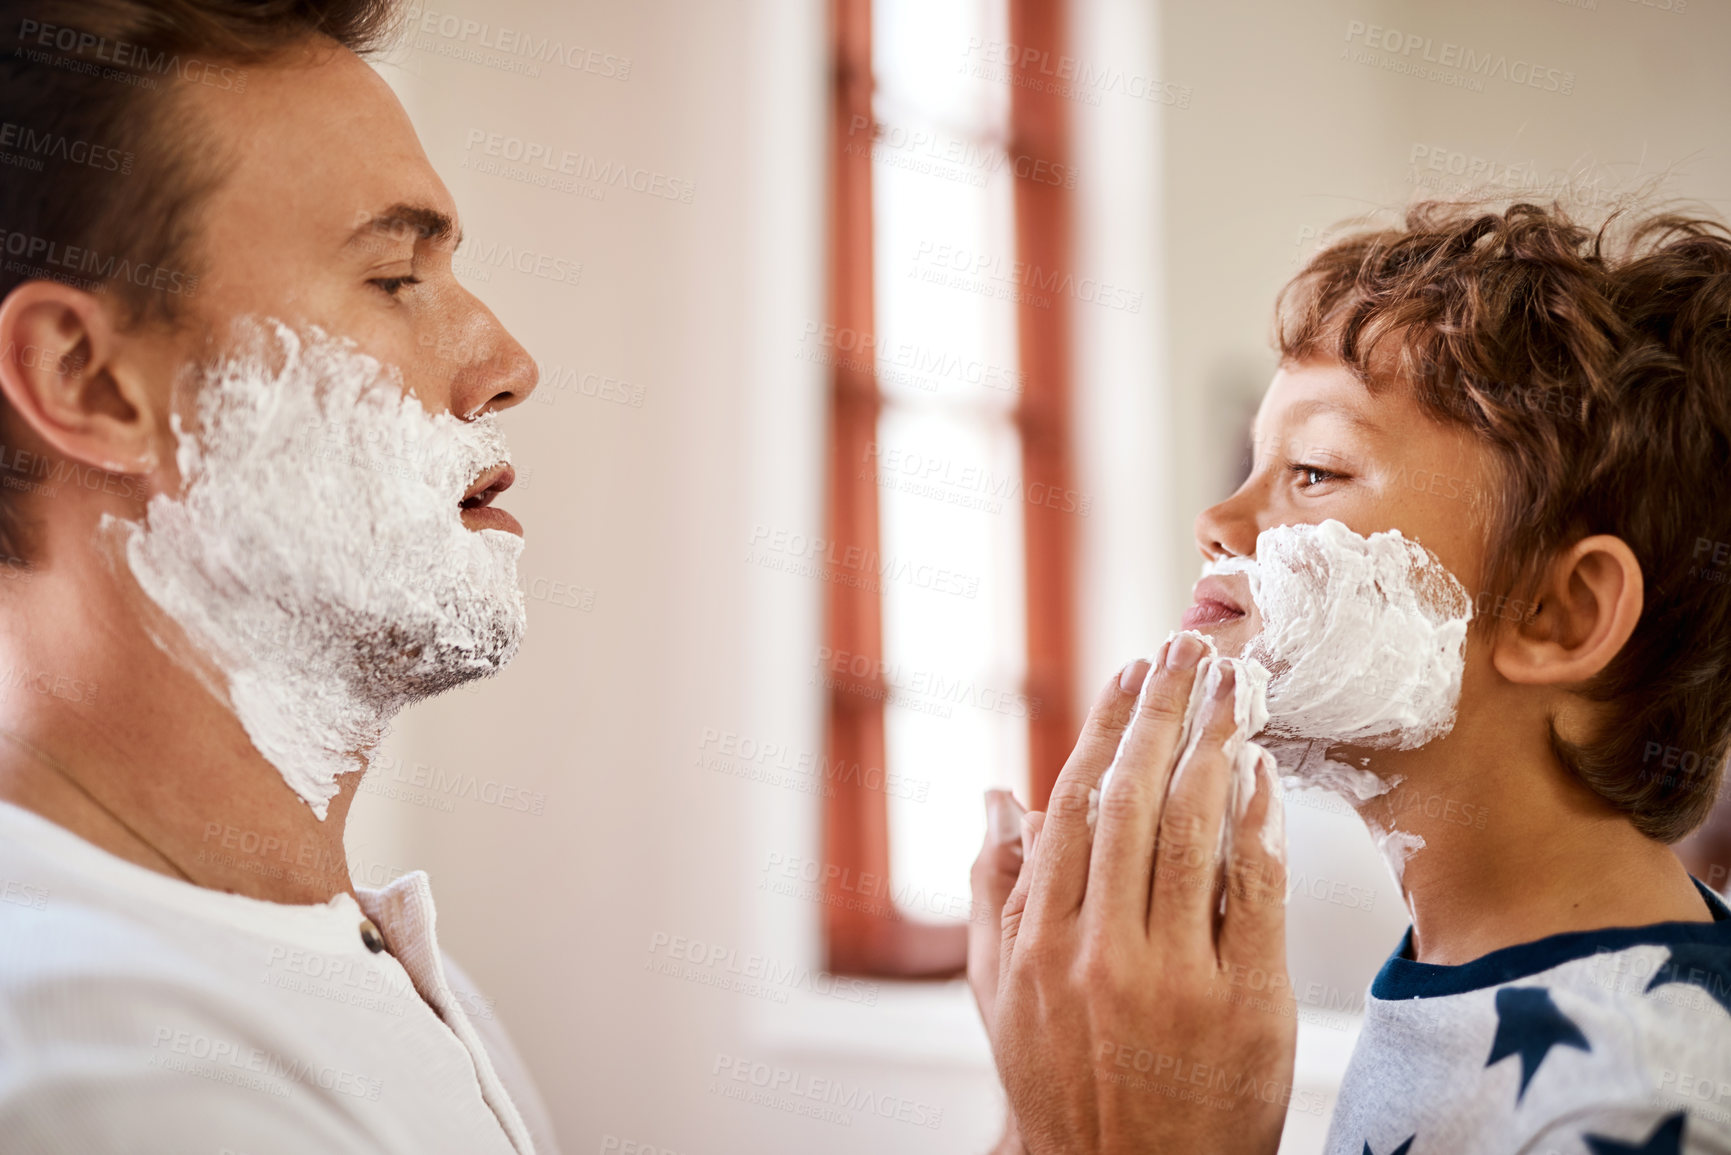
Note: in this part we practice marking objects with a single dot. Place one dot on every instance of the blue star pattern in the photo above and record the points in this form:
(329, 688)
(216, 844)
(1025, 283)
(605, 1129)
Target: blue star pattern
(1529, 1025)
(1666, 1139)
(1698, 964)
(1401, 1150)
(1435, 1054)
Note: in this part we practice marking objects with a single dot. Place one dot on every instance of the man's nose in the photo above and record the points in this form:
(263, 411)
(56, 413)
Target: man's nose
(499, 373)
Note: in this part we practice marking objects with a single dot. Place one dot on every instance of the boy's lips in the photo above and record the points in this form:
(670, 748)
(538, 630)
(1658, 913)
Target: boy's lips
(477, 508)
(1214, 603)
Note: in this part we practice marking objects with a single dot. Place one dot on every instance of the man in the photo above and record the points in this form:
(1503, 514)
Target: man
(227, 273)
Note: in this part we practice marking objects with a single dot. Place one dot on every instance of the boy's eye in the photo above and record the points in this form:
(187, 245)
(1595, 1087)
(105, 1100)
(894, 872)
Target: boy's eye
(393, 285)
(1309, 475)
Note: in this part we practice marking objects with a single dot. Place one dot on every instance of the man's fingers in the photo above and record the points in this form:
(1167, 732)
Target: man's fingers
(1184, 875)
(993, 877)
(1010, 922)
(1061, 869)
(1032, 822)
(1130, 804)
(1253, 932)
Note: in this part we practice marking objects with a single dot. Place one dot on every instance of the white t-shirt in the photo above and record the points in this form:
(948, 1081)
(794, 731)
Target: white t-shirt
(143, 1015)
(1605, 1042)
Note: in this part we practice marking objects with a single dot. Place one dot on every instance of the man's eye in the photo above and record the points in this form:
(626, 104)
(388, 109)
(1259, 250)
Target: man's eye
(393, 285)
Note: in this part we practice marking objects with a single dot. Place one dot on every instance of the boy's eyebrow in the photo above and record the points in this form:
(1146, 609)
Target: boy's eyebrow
(1304, 410)
(425, 222)
(1307, 409)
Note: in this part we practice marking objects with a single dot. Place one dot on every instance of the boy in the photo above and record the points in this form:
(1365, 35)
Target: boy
(1549, 415)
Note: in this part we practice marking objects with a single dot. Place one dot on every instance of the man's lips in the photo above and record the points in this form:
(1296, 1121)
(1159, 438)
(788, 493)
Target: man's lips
(1214, 603)
(478, 510)
(490, 484)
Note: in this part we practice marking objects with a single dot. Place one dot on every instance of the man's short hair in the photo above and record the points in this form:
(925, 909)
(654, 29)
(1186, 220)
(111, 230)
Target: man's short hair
(1596, 363)
(102, 170)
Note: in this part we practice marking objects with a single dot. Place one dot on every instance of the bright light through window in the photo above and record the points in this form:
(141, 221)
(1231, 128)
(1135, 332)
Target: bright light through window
(948, 455)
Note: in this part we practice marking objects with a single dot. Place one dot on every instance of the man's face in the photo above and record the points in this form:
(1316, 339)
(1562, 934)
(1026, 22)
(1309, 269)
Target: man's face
(331, 216)
(1326, 447)
(319, 524)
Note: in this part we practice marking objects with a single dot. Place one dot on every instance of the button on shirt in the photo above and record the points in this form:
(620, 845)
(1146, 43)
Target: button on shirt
(146, 1015)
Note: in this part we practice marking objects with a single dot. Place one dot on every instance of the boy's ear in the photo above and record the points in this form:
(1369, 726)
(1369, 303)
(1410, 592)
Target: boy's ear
(1585, 608)
(62, 373)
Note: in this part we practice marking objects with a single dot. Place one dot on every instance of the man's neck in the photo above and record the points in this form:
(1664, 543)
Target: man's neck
(123, 745)
(1516, 849)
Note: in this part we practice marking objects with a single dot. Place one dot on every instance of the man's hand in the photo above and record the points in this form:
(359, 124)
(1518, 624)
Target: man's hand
(1010, 834)
(1142, 1002)
(1010, 831)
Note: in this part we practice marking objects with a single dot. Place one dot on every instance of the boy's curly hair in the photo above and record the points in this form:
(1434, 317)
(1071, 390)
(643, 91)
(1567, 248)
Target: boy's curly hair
(1596, 362)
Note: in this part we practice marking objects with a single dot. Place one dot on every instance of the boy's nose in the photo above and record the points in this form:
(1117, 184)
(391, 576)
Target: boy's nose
(1223, 530)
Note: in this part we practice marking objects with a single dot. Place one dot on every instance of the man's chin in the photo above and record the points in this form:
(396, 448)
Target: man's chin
(411, 661)
(448, 669)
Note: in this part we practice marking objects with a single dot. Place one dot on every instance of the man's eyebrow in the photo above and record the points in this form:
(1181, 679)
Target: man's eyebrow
(423, 221)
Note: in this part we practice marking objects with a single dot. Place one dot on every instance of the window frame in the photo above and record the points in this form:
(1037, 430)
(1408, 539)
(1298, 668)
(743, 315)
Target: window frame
(861, 934)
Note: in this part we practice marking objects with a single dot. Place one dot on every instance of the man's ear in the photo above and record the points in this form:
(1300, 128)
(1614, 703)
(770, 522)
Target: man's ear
(1585, 608)
(62, 371)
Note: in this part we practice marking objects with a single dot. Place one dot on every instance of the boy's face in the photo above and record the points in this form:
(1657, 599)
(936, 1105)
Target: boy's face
(1326, 447)
(331, 215)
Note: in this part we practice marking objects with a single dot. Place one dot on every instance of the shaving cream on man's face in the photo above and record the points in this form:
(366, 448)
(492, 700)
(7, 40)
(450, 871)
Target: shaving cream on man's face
(316, 555)
(1364, 637)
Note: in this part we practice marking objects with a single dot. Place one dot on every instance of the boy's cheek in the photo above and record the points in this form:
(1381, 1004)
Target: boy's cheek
(1479, 681)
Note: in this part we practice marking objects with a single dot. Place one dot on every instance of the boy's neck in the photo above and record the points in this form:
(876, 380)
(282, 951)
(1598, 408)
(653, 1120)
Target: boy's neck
(1515, 850)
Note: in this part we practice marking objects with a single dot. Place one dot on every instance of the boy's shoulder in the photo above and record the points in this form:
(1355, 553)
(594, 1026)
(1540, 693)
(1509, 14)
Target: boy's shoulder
(1593, 1042)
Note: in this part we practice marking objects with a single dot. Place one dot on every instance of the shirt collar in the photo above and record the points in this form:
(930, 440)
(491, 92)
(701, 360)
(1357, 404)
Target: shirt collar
(1403, 977)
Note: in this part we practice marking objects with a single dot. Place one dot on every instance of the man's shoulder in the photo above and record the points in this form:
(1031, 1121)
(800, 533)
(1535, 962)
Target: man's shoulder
(77, 968)
(54, 917)
(50, 929)
(63, 898)
(79, 932)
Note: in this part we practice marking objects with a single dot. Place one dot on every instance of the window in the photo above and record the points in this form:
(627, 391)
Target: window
(948, 647)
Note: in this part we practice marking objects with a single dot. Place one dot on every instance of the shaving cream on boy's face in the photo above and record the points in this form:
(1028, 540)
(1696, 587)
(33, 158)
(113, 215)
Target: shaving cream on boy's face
(1364, 638)
(316, 554)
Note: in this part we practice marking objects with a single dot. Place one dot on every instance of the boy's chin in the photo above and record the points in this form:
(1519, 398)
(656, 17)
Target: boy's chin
(1232, 637)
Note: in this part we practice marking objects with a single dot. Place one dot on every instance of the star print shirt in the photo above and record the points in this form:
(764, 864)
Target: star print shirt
(1606, 1042)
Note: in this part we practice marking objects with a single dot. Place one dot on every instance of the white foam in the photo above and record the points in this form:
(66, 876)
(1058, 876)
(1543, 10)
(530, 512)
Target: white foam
(1364, 637)
(1396, 847)
(1307, 762)
(316, 555)
(1274, 828)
